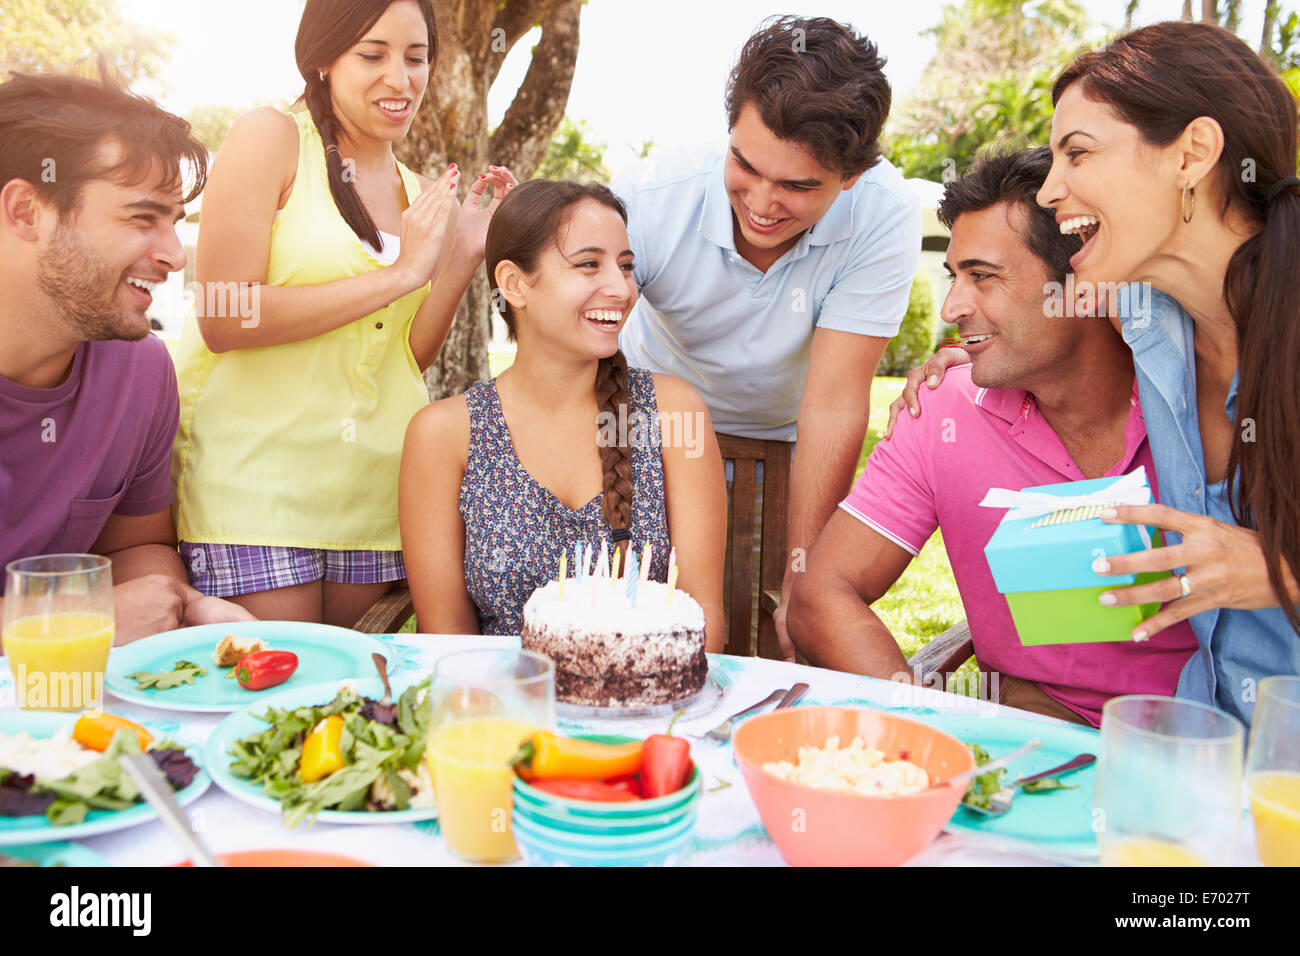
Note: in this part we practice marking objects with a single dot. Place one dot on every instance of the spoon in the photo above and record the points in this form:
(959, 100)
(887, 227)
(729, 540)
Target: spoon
(385, 711)
(381, 665)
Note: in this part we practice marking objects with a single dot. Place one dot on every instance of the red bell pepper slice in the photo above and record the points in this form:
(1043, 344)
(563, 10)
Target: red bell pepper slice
(665, 763)
(585, 790)
(265, 669)
(629, 782)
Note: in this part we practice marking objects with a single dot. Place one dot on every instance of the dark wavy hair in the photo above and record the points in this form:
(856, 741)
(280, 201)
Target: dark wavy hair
(1158, 79)
(529, 220)
(327, 30)
(1013, 177)
(58, 122)
(818, 83)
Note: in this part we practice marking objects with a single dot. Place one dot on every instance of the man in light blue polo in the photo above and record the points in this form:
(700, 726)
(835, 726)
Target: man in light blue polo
(774, 270)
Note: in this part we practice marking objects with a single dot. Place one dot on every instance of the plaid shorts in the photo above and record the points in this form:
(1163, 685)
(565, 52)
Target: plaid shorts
(226, 570)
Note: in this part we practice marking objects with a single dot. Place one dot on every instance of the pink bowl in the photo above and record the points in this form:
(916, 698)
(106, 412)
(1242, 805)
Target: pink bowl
(814, 827)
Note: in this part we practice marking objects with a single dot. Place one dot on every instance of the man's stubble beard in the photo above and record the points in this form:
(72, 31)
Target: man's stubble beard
(75, 279)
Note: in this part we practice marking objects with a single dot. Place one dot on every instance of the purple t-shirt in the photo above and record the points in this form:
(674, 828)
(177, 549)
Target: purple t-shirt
(96, 445)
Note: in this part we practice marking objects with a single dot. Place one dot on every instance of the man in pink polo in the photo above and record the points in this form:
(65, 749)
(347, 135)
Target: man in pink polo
(1045, 399)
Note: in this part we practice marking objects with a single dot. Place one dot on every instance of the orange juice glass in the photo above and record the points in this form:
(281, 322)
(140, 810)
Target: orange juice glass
(1273, 771)
(485, 704)
(58, 629)
(1168, 783)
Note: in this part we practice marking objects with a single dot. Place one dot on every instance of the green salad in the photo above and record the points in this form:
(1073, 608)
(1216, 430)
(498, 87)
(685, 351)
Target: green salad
(981, 790)
(99, 785)
(377, 755)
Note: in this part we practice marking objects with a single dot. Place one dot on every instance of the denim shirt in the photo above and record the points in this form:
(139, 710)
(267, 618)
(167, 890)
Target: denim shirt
(1237, 647)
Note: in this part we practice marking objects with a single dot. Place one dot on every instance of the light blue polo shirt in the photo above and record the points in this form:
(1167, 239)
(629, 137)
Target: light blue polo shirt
(741, 336)
(1237, 647)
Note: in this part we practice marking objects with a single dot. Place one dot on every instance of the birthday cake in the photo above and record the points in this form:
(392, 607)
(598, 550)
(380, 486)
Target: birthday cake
(613, 648)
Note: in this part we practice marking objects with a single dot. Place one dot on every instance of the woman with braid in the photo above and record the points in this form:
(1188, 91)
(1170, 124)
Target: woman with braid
(329, 276)
(564, 447)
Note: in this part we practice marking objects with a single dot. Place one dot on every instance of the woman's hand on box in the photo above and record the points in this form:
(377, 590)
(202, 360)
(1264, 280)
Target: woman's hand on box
(1224, 567)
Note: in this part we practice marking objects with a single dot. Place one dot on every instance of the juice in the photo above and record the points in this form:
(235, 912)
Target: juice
(469, 764)
(1275, 805)
(58, 660)
(1147, 851)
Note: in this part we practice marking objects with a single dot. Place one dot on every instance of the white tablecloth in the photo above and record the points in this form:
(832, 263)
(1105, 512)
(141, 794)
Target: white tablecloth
(728, 832)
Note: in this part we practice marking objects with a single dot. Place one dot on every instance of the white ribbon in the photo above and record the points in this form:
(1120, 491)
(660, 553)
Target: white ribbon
(1132, 489)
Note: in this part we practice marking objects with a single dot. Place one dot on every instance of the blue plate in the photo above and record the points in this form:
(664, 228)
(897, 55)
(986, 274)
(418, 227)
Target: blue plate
(36, 828)
(1057, 821)
(324, 654)
(244, 722)
(57, 854)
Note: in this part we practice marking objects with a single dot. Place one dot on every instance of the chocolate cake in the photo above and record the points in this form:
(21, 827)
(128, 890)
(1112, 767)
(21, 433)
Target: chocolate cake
(608, 653)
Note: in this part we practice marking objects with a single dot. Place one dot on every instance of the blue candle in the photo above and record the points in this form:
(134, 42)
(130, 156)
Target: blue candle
(633, 579)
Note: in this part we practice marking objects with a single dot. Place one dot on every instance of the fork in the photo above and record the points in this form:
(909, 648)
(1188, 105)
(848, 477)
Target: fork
(1000, 802)
(722, 732)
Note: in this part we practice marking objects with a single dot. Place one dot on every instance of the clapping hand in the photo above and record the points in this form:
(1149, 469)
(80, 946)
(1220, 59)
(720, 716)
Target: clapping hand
(472, 226)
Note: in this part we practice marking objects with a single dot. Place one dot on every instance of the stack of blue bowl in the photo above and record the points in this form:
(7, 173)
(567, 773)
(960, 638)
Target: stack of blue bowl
(556, 831)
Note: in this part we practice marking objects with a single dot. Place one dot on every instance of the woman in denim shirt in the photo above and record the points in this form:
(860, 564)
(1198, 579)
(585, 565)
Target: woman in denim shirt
(1174, 156)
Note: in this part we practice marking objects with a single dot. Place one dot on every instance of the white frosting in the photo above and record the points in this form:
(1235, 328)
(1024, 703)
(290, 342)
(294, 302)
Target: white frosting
(599, 605)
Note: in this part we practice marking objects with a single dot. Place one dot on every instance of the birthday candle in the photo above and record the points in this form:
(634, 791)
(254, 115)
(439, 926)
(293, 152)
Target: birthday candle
(646, 554)
(632, 578)
(672, 583)
(564, 561)
(616, 560)
(602, 569)
(586, 560)
(577, 559)
(672, 563)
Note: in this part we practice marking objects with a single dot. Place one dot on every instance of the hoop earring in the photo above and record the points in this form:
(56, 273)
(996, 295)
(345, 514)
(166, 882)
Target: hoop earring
(1187, 216)
(322, 76)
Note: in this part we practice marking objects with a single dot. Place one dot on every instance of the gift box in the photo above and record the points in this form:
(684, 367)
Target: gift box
(1042, 552)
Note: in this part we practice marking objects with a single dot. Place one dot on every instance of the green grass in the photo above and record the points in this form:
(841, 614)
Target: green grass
(924, 602)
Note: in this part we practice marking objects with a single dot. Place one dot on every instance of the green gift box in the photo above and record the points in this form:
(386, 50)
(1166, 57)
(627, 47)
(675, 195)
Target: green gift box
(1041, 556)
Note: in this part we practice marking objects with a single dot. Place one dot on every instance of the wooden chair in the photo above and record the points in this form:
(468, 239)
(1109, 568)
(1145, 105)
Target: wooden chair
(387, 614)
(750, 515)
(744, 582)
(943, 655)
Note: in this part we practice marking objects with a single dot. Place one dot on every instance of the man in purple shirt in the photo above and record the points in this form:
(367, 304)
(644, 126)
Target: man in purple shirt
(90, 192)
(1049, 397)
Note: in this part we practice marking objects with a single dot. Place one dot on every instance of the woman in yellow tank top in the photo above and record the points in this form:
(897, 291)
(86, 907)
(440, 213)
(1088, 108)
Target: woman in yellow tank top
(330, 276)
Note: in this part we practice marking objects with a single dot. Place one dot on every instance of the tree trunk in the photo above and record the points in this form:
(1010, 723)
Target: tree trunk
(1210, 11)
(1232, 15)
(474, 37)
(1270, 26)
(1187, 10)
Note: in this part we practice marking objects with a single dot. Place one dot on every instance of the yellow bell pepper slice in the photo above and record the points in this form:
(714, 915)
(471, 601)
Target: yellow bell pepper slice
(546, 756)
(322, 751)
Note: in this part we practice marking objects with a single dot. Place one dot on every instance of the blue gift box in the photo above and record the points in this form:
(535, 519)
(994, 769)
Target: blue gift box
(1042, 563)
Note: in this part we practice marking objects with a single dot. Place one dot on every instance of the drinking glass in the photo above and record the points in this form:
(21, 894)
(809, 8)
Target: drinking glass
(1273, 771)
(58, 628)
(1168, 783)
(485, 704)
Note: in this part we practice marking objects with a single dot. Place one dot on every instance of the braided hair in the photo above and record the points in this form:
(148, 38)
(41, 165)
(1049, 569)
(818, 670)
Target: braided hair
(527, 221)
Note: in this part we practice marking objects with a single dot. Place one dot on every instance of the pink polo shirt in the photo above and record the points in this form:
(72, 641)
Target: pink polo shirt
(933, 473)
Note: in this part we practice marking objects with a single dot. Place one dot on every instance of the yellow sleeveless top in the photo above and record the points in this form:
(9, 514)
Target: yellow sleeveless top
(299, 445)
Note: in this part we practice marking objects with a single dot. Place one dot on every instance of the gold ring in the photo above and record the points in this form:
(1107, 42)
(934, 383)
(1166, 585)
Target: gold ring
(1185, 584)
